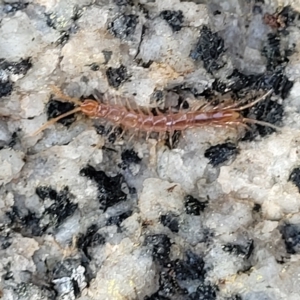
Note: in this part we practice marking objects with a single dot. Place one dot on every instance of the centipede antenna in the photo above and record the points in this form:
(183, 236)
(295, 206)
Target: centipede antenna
(54, 120)
(59, 94)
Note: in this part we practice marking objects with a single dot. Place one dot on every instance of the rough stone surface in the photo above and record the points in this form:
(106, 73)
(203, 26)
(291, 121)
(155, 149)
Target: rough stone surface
(89, 212)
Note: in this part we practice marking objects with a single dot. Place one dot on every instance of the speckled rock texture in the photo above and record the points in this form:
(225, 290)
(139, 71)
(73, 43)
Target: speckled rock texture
(91, 210)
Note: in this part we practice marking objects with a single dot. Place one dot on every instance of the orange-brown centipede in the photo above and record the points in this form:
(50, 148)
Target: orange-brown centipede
(138, 120)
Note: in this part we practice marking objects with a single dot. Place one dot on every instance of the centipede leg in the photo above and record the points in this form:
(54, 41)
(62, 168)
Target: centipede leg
(170, 141)
(122, 134)
(235, 125)
(112, 130)
(148, 135)
(201, 106)
(157, 111)
(128, 104)
(160, 136)
(134, 133)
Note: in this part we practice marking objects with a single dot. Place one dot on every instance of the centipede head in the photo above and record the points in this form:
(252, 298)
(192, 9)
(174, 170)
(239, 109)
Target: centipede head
(90, 107)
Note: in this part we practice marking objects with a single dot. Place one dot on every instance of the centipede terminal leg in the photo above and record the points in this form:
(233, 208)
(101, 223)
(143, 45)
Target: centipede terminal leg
(251, 104)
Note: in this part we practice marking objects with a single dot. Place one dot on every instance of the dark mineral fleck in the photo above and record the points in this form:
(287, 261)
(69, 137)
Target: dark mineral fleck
(117, 220)
(204, 292)
(160, 245)
(191, 268)
(62, 207)
(173, 18)
(116, 76)
(295, 177)
(291, 236)
(243, 250)
(6, 86)
(193, 206)
(11, 68)
(170, 221)
(220, 153)
(14, 6)
(156, 296)
(20, 67)
(5, 241)
(168, 285)
(109, 188)
(90, 239)
(209, 48)
(124, 26)
(272, 51)
(129, 156)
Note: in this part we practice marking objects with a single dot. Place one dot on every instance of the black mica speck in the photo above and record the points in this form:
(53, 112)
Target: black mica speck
(124, 26)
(156, 296)
(45, 192)
(189, 269)
(174, 18)
(16, 68)
(15, 6)
(5, 241)
(116, 76)
(220, 153)
(234, 297)
(168, 285)
(62, 207)
(27, 225)
(170, 221)
(6, 87)
(295, 177)
(20, 67)
(193, 206)
(123, 2)
(275, 80)
(65, 269)
(272, 51)
(160, 245)
(240, 250)
(291, 235)
(109, 188)
(129, 156)
(204, 292)
(117, 220)
(107, 55)
(56, 108)
(90, 239)
(209, 48)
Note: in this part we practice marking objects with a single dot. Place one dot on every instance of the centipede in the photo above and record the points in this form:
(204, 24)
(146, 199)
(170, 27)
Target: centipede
(139, 120)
